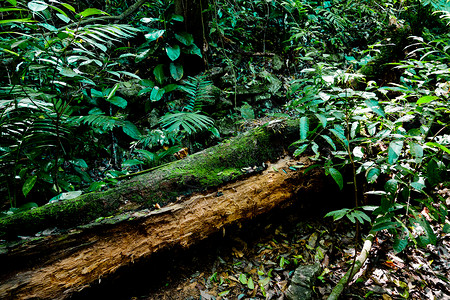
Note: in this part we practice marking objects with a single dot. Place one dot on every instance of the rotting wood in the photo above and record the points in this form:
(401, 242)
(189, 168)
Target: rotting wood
(209, 168)
(108, 247)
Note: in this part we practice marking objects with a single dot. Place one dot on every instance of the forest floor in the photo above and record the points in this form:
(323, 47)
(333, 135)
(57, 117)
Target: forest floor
(257, 261)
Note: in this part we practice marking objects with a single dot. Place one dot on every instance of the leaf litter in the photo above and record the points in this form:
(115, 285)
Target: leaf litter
(262, 267)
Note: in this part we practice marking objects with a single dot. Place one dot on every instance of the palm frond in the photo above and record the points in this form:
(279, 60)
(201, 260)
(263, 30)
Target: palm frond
(191, 122)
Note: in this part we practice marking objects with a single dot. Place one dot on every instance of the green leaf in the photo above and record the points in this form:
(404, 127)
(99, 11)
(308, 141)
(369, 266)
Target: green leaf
(29, 184)
(156, 94)
(12, 2)
(149, 20)
(131, 162)
(375, 107)
(131, 130)
(68, 6)
(437, 145)
(372, 174)
(193, 49)
(322, 119)
(416, 150)
(355, 129)
(178, 18)
(391, 186)
(37, 6)
(329, 141)
(90, 12)
(176, 71)
(158, 71)
(337, 176)
(394, 151)
(79, 163)
(154, 35)
(300, 149)
(66, 196)
(185, 38)
(118, 101)
(68, 72)
(337, 214)
(173, 52)
(64, 18)
(243, 278)
(304, 127)
(426, 99)
(385, 225)
(400, 244)
(339, 132)
(250, 283)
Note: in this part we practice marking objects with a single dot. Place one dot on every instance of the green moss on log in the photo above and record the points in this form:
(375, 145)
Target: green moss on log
(209, 168)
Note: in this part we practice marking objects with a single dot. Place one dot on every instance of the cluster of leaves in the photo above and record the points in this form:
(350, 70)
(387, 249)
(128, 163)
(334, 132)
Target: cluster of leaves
(396, 134)
(62, 88)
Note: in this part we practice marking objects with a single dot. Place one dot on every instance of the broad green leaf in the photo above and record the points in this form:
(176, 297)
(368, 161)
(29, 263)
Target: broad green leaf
(184, 38)
(131, 130)
(338, 214)
(243, 279)
(354, 129)
(372, 174)
(149, 20)
(64, 18)
(12, 2)
(173, 52)
(250, 283)
(68, 72)
(322, 119)
(394, 151)
(178, 18)
(118, 101)
(426, 99)
(37, 6)
(337, 176)
(154, 35)
(68, 6)
(193, 49)
(340, 135)
(384, 225)
(375, 107)
(66, 196)
(90, 12)
(437, 145)
(400, 244)
(29, 184)
(300, 149)
(131, 162)
(112, 92)
(329, 141)
(158, 71)
(391, 186)
(156, 94)
(176, 71)
(79, 163)
(358, 152)
(416, 150)
(304, 127)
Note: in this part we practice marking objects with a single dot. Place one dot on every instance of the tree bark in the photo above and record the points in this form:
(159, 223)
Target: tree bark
(56, 266)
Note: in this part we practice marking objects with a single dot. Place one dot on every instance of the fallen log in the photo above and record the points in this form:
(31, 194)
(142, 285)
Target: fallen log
(61, 264)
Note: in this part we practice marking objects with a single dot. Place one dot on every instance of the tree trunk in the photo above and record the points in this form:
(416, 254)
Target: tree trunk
(196, 23)
(56, 266)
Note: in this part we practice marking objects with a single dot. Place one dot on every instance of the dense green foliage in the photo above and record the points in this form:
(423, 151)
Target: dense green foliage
(87, 97)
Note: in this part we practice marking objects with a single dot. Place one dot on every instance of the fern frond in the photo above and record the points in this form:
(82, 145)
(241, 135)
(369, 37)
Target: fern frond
(198, 91)
(187, 121)
(99, 121)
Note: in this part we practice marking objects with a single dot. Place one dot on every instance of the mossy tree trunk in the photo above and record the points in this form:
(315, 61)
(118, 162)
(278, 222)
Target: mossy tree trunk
(213, 193)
